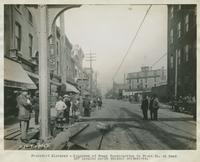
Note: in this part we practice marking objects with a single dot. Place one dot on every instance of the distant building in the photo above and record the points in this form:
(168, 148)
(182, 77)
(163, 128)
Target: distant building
(118, 90)
(181, 50)
(147, 78)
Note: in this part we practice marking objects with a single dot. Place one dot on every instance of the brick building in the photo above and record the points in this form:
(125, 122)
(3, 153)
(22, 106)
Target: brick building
(20, 54)
(181, 50)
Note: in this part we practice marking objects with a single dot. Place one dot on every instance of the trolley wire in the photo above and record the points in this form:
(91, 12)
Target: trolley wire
(133, 40)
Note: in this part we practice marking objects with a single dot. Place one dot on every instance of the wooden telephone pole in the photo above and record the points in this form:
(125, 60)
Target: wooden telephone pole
(91, 57)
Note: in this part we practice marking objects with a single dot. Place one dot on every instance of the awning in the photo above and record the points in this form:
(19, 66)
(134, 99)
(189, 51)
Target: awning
(15, 76)
(71, 88)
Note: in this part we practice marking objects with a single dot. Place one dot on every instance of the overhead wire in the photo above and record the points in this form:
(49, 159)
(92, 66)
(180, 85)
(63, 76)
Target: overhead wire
(132, 41)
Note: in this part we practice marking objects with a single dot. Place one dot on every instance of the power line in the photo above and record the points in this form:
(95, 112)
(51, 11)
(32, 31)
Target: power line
(133, 40)
(159, 59)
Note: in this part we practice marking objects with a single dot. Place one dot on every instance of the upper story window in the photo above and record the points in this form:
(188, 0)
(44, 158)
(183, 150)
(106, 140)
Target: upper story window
(171, 62)
(18, 37)
(179, 7)
(187, 23)
(178, 52)
(187, 53)
(179, 29)
(171, 36)
(30, 17)
(172, 12)
(30, 45)
(155, 79)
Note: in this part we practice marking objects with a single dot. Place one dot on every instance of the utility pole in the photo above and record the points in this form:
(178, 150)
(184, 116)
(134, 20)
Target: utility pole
(91, 57)
(176, 74)
(43, 74)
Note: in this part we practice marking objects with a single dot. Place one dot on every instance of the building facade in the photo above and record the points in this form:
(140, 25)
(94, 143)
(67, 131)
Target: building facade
(147, 78)
(20, 53)
(181, 50)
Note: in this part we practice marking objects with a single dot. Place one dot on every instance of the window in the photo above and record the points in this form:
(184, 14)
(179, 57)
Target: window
(137, 80)
(179, 29)
(17, 36)
(30, 45)
(178, 52)
(179, 7)
(155, 79)
(171, 62)
(187, 53)
(171, 35)
(57, 67)
(187, 23)
(145, 86)
(146, 80)
(30, 17)
(172, 12)
(132, 83)
(154, 85)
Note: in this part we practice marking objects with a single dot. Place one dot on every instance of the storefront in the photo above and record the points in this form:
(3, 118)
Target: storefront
(15, 78)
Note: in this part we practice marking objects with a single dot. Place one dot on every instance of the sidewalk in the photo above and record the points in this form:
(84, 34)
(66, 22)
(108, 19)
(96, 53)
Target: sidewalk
(12, 133)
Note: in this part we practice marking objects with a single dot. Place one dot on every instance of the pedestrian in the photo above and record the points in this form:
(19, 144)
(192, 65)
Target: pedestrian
(99, 103)
(67, 110)
(60, 107)
(24, 106)
(155, 108)
(194, 108)
(151, 107)
(144, 107)
(86, 106)
(28, 97)
(35, 103)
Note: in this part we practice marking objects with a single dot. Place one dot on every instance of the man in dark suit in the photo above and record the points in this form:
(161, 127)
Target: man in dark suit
(24, 106)
(144, 107)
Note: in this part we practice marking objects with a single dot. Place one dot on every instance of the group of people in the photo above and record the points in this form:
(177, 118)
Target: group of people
(184, 103)
(151, 104)
(88, 104)
(66, 106)
(25, 105)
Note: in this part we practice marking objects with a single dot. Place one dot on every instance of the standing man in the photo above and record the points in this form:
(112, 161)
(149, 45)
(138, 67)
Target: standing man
(35, 103)
(86, 106)
(155, 107)
(24, 113)
(67, 110)
(144, 107)
(151, 107)
(60, 107)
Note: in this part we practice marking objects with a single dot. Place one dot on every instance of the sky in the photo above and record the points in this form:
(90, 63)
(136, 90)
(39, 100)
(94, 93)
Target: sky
(107, 31)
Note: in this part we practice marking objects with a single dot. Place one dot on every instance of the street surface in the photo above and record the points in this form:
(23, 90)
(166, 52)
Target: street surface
(128, 131)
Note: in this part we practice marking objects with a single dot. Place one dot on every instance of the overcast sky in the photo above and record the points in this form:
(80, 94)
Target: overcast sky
(107, 30)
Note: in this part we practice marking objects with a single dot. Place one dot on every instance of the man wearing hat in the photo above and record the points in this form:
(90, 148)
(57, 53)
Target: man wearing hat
(24, 113)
